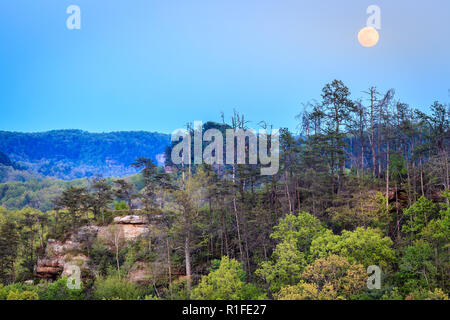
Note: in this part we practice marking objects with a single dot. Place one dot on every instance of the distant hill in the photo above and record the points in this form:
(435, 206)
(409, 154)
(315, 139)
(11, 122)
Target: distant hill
(4, 160)
(10, 171)
(73, 154)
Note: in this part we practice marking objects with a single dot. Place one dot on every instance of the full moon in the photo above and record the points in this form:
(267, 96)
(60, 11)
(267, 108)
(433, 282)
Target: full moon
(368, 37)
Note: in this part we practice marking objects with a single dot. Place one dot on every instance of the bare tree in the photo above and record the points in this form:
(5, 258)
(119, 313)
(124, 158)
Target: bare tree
(115, 239)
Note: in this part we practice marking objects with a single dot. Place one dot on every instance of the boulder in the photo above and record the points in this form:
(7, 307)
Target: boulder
(131, 219)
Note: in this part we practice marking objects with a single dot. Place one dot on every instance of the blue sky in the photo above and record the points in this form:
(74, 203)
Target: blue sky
(156, 65)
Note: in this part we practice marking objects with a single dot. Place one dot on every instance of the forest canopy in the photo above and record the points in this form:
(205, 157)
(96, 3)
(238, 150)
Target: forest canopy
(363, 184)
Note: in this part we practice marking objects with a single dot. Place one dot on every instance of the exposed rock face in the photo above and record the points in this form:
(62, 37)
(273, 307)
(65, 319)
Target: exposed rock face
(59, 256)
(133, 219)
(131, 232)
(49, 268)
(131, 227)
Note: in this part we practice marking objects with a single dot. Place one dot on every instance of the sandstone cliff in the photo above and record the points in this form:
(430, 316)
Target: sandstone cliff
(61, 255)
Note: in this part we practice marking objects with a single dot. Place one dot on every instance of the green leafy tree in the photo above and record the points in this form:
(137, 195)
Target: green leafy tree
(285, 267)
(417, 268)
(75, 200)
(364, 246)
(100, 197)
(418, 215)
(290, 255)
(327, 279)
(337, 109)
(149, 173)
(225, 283)
(125, 191)
(302, 227)
(9, 243)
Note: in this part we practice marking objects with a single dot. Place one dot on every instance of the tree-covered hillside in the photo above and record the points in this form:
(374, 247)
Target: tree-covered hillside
(365, 188)
(72, 154)
(4, 160)
(10, 171)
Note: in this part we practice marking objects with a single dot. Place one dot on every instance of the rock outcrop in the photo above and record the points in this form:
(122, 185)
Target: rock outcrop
(48, 268)
(132, 219)
(61, 255)
(131, 227)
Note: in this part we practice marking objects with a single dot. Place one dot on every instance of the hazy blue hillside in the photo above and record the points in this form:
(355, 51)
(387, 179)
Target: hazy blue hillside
(72, 154)
(4, 160)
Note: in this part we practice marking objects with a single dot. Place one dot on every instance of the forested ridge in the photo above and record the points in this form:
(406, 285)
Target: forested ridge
(363, 183)
(73, 154)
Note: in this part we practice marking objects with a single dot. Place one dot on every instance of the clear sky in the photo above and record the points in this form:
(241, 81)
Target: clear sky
(156, 65)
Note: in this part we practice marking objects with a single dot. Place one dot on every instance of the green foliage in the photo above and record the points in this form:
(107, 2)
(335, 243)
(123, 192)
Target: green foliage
(34, 193)
(101, 258)
(333, 278)
(296, 233)
(111, 287)
(438, 229)
(58, 290)
(9, 242)
(397, 167)
(16, 291)
(178, 289)
(225, 283)
(364, 246)
(25, 295)
(121, 205)
(285, 267)
(418, 214)
(303, 228)
(417, 269)
(421, 294)
(392, 294)
(352, 170)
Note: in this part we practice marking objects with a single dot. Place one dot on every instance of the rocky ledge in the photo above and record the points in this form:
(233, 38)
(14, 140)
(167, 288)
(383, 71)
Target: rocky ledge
(132, 219)
(61, 255)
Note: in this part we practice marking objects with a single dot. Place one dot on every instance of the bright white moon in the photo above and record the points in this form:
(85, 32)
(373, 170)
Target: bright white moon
(368, 37)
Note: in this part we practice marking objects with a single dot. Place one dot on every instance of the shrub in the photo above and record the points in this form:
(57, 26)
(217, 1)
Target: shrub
(59, 290)
(25, 295)
(112, 288)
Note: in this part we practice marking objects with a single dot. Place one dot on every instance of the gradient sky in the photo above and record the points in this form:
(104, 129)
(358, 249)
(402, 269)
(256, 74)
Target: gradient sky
(156, 65)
